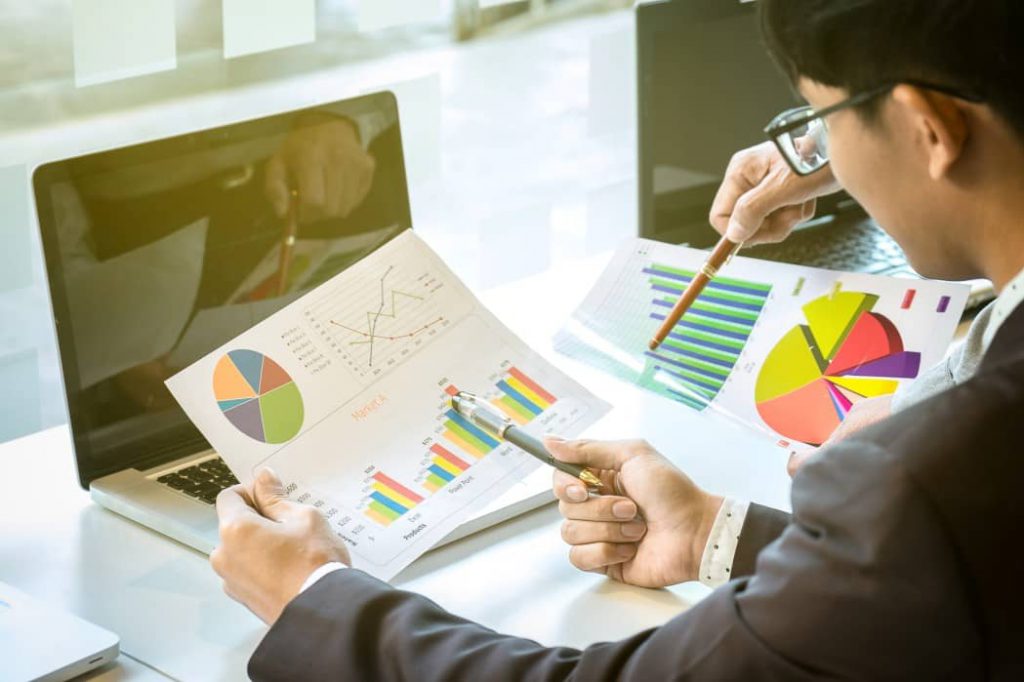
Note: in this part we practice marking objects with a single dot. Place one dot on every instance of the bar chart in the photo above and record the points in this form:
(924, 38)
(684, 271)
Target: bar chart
(389, 499)
(702, 350)
(456, 444)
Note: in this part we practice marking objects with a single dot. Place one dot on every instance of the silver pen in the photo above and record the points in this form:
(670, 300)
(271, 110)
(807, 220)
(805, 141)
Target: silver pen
(479, 413)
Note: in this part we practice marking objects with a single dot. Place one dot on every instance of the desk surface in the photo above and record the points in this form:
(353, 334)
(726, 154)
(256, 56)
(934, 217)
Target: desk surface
(167, 605)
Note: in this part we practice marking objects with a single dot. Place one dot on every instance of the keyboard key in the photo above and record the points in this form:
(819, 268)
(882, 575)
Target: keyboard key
(202, 481)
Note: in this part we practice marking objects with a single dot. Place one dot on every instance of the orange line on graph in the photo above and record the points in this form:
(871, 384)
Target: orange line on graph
(371, 337)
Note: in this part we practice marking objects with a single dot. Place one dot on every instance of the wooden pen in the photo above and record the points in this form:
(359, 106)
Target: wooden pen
(723, 251)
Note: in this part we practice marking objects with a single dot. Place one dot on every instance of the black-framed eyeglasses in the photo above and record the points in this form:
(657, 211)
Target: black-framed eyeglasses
(801, 134)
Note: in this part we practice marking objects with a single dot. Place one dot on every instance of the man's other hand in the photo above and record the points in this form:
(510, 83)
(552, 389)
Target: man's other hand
(651, 532)
(326, 164)
(864, 414)
(270, 545)
(761, 199)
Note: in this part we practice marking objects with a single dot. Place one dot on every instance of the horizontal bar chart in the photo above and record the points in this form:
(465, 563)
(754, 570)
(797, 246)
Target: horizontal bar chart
(698, 356)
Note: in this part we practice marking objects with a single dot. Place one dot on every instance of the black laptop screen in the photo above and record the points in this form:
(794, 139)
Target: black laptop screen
(161, 252)
(707, 89)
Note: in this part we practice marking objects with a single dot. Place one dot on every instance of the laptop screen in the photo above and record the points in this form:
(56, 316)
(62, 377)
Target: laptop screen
(161, 252)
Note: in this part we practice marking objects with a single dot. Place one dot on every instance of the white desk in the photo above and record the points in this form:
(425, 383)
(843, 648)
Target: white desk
(167, 604)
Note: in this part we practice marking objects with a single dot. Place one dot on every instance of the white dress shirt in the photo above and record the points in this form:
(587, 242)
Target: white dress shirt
(315, 576)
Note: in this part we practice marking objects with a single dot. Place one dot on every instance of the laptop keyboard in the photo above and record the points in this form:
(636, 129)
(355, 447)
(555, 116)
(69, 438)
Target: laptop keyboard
(858, 247)
(203, 481)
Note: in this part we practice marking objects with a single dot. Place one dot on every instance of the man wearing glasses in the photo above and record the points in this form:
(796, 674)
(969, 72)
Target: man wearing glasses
(901, 559)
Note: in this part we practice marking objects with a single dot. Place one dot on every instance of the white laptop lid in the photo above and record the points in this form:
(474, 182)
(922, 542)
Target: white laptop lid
(38, 642)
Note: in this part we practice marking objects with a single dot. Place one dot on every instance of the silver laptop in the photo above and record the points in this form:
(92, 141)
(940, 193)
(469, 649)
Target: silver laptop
(161, 252)
(38, 642)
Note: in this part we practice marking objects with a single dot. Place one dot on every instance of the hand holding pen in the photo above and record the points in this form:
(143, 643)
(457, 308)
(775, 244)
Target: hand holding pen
(649, 530)
(482, 415)
(649, 525)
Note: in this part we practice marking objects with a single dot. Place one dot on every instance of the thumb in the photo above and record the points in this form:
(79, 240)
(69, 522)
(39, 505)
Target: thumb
(754, 207)
(270, 497)
(737, 232)
(797, 458)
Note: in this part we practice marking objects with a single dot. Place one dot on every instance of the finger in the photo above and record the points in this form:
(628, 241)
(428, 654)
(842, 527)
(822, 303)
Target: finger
(569, 488)
(600, 508)
(746, 170)
(366, 178)
(275, 183)
(600, 555)
(233, 503)
(751, 211)
(337, 192)
(729, 192)
(781, 223)
(597, 453)
(798, 459)
(588, 532)
(312, 189)
(270, 497)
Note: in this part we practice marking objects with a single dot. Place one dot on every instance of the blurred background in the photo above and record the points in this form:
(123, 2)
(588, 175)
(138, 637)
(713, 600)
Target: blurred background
(518, 118)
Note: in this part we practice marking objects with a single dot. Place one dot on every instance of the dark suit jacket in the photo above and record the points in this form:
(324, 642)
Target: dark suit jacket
(902, 561)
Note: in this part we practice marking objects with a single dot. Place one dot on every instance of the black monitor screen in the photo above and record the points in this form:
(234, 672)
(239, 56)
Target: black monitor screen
(161, 252)
(707, 89)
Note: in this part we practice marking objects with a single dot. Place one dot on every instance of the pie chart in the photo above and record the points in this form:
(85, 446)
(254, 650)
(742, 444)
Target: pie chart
(816, 373)
(257, 396)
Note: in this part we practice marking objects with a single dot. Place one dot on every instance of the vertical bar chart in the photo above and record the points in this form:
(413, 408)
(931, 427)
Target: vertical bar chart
(389, 499)
(456, 444)
(460, 443)
(702, 350)
(444, 467)
(469, 437)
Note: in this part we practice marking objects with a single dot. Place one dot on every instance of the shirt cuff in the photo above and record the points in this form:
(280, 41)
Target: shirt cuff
(330, 567)
(716, 564)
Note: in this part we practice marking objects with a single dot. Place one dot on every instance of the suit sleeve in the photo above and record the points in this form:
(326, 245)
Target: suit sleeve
(845, 592)
(762, 526)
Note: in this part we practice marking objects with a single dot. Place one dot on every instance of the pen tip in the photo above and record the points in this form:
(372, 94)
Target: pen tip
(653, 344)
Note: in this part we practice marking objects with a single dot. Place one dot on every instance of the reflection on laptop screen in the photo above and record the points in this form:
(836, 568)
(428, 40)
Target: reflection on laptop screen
(161, 252)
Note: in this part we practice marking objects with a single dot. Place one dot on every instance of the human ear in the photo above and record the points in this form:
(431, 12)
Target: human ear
(940, 123)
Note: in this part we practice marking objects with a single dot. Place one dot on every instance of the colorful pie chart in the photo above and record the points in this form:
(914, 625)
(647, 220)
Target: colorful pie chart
(818, 371)
(258, 397)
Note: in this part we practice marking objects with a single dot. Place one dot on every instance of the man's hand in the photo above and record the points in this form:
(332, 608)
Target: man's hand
(652, 532)
(326, 164)
(761, 199)
(269, 545)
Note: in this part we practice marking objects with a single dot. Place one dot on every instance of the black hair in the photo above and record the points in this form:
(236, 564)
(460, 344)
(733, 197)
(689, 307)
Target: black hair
(975, 47)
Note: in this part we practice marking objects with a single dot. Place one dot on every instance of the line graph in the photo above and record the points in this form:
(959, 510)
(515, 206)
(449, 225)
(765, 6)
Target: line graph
(370, 336)
(386, 319)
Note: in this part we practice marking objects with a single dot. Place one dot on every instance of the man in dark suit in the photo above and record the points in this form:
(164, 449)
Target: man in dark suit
(900, 559)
